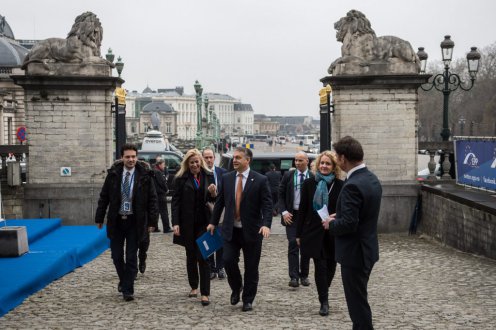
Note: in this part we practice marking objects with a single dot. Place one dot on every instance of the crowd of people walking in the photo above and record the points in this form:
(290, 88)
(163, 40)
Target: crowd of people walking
(329, 217)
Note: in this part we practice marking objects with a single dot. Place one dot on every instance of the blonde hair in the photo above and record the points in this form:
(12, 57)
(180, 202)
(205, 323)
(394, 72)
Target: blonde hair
(184, 164)
(332, 156)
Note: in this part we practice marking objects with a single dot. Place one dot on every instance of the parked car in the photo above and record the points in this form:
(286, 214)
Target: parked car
(172, 159)
(261, 161)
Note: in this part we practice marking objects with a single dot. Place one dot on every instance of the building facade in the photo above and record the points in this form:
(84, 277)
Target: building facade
(232, 115)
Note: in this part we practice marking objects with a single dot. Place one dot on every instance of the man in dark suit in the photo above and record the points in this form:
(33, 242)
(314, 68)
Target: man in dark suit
(216, 260)
(289, 204)
(129, 193)
(355, 226)
(245, 195)
(274, 177)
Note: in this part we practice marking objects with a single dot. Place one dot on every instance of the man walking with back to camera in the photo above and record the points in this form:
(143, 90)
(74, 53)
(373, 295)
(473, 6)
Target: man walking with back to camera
(216, 260)
(289, 203)
(246, 197)
(355, 226)
(129, 193)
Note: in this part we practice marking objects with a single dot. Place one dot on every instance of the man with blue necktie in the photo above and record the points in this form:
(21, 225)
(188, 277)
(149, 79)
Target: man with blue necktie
(216, 260)
(130, 196)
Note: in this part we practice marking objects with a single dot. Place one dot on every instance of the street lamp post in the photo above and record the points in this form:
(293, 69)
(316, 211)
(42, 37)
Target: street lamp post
(119, 106)
(448, 82)
(198, 91)
(461, 121)
(326, 108)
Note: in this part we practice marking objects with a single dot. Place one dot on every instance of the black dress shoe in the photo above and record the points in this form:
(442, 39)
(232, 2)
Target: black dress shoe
(168, 230)
(128, 297)
(247, 307)
(293, 283)
(205, 302)
(213, 275)
(324, 309)
(235, 297)
(119, 287)
(222, 274)
(304, 281)
(142, 266)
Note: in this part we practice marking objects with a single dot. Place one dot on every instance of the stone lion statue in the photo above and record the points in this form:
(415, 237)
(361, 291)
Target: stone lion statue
(82, 45)
(363, 52)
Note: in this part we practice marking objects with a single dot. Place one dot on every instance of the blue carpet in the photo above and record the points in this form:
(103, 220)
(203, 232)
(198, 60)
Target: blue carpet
(50, 257)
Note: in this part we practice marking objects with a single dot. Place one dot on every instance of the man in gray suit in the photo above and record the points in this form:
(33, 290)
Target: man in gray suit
(246, 197)
(355, 227)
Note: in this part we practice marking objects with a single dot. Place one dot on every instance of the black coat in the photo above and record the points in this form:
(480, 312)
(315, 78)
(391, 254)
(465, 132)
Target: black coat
(144, 201)
(355, 227)
(274, 178)
(160, 182)
(286, 193)
(256, 206)
(315, 241)
(189, 209)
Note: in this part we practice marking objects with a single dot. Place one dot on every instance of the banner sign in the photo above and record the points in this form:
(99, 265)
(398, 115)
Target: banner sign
(476, 163)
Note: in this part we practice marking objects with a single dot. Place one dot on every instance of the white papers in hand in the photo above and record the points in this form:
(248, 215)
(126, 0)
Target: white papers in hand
(323, 213)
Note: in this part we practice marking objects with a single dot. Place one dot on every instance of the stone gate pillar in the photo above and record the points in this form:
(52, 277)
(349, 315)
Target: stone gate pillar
(375, 85)
(69, 125)
(68, 90)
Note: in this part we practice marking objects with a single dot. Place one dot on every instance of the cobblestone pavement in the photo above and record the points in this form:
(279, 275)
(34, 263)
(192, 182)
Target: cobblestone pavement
(417, 284)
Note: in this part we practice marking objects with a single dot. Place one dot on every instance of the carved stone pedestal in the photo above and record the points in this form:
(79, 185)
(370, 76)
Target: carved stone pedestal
(381, 112)
(70, 136)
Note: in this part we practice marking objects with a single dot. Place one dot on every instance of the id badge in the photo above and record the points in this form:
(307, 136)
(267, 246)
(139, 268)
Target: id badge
(127, 207)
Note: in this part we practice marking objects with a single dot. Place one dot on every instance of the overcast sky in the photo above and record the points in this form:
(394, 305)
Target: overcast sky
(269, 53)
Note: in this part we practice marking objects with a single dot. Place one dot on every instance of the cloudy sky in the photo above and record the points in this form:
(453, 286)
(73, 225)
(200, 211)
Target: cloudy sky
(270, 53)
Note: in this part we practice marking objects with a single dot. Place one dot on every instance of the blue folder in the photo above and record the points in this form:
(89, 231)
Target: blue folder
(208, 243)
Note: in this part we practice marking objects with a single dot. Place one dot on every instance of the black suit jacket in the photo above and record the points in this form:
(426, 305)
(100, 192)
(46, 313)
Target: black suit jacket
(256, 205)
(355, 226)
(219, 172)
(286, 193)
(313, 240)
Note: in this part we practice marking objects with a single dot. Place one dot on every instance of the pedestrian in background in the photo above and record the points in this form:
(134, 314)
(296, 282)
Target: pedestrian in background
(318, 194)
(274, 176)
(194, 187)
(289, 205)
(355, 227)
(129, 194)
(162, 189)
(216, 260)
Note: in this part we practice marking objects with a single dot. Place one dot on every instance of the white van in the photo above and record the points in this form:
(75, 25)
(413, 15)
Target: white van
(155, 141)
(281, 140)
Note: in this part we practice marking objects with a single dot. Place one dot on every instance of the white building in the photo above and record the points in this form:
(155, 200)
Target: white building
(233, 116)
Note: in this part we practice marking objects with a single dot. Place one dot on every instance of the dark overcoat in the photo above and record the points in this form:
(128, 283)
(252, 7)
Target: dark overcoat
(144, 200)
(315, 241)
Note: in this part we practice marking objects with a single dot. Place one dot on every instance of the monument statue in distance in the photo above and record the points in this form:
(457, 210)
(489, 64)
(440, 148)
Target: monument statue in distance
(81, 48)
(363, 53)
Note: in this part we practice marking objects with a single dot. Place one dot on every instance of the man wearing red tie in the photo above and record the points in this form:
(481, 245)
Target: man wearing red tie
(246, 197)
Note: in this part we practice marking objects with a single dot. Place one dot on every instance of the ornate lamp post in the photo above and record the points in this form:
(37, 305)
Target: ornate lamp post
(119, 106)
(198, 91)
(448, 82)
(461, 121)
(205, 102)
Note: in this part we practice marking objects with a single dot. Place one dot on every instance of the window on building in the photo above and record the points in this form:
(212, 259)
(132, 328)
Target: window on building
(168, 128)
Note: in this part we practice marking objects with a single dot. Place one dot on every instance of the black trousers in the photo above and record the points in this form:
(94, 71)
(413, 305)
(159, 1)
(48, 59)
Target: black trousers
(298, 268)
(125, 233)
(164, 212)
(251, 256)
(325, 269)
(355, 282)
(143, 247)
(194, 264)
(216, 260)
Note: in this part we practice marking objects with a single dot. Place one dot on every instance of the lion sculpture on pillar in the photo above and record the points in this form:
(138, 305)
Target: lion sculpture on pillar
(82, 45)
(363, 52)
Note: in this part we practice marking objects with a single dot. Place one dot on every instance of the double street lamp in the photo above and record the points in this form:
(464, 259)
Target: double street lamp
(447, 81)
(199, 136)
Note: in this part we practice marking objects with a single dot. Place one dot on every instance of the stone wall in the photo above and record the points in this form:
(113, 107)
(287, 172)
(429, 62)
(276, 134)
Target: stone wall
(12, 199)
(461, 218)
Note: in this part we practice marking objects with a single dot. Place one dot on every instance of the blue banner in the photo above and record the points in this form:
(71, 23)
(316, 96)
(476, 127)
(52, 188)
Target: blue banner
(476, 163)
